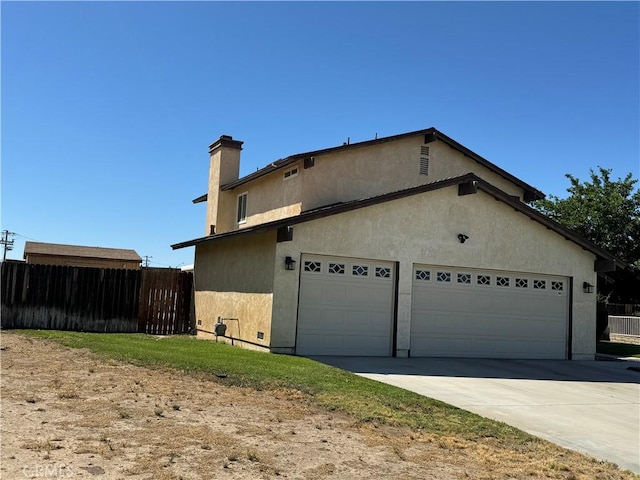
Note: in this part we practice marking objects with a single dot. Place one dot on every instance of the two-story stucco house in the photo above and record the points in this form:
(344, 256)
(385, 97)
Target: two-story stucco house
(410, 245)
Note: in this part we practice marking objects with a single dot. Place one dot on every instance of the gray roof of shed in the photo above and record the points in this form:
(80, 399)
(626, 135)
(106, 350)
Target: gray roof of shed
(56, 249)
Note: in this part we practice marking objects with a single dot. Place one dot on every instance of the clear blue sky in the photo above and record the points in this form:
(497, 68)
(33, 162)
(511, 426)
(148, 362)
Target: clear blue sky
(108, 108)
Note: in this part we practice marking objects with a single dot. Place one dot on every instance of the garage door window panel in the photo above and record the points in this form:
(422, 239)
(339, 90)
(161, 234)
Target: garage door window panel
(539, 285)
(483, 280)
(360, 270)
(423, 275)
(311, 266)
(443, 277)
(337, 268)
(383, 272)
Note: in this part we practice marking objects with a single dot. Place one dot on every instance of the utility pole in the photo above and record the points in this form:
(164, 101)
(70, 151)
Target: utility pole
(146, 260)
(8, 244)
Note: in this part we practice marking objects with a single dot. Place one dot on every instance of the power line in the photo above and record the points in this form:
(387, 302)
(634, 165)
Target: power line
(8, 244)
(24, 236)
(146, 260)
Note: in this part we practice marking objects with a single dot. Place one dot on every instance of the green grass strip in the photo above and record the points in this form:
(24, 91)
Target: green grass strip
(619, 349)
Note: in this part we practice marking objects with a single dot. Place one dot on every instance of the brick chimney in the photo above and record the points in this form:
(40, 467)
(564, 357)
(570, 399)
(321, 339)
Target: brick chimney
(224, 167)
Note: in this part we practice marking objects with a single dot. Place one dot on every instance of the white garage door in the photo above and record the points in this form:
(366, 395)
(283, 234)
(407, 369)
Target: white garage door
(473, 313)
(345, 307)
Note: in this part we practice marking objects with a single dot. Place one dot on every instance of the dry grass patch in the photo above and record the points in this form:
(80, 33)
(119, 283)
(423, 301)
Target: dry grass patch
(227, 431)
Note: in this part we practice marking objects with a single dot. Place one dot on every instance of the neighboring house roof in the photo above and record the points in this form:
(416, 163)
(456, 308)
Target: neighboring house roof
(470, 181)
(430, 134)
(54, 249)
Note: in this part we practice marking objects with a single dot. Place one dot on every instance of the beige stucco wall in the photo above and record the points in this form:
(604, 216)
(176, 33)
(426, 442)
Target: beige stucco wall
(234, 280)
(423, 229)
(386, 167)
(272, 197)
(349, 175)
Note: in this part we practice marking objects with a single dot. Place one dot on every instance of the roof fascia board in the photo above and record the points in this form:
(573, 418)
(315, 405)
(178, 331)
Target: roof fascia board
(332, 209)
(532, 192)
(430, 134)
(83, 257)
(547, 222)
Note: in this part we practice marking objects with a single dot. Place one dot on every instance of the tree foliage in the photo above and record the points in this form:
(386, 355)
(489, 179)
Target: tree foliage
(603, 210)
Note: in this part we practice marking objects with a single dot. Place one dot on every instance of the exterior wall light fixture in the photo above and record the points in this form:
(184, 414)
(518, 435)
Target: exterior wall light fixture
(289, 263)
(462, 237)
(587, 287)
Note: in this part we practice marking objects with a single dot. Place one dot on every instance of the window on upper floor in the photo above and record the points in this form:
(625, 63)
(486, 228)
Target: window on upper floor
(241, 212)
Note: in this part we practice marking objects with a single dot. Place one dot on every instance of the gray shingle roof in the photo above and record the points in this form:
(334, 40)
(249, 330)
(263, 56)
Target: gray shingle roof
(39, 248)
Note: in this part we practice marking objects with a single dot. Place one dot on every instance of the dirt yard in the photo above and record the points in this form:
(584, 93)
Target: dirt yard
(69, 414)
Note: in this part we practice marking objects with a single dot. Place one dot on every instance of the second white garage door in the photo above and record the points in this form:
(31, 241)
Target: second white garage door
(345, 306)
(491, 314)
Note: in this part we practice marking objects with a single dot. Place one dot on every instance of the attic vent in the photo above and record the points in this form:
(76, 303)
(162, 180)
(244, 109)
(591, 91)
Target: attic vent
(424, 160)
(291, 173)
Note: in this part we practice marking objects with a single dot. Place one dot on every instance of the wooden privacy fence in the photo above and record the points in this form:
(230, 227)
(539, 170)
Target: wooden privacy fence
(95, 299)
(165, 301)
(622, 309)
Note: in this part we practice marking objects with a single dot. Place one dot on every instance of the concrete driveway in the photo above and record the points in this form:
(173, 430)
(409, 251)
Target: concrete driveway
(592, 407)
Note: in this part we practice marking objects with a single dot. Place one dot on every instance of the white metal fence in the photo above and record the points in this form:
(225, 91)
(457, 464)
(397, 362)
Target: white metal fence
(624, 325)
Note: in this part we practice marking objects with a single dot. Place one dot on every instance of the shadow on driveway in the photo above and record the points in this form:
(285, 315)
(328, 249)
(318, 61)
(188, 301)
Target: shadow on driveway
(558, 370)
(590, 406)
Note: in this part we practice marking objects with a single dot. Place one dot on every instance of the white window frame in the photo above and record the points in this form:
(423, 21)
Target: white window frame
(241, 217)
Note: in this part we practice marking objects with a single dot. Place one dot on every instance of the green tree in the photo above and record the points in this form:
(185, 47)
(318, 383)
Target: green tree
(603, 210)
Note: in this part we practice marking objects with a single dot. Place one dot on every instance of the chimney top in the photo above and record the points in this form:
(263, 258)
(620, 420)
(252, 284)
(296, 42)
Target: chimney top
(225, 141)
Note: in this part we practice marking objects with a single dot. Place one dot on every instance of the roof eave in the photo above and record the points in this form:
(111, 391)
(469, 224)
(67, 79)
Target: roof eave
(284, 162)
(328, 210)
(113, 259)
(550, 224)
(430, 134)
(530, 193)
(463, 179)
